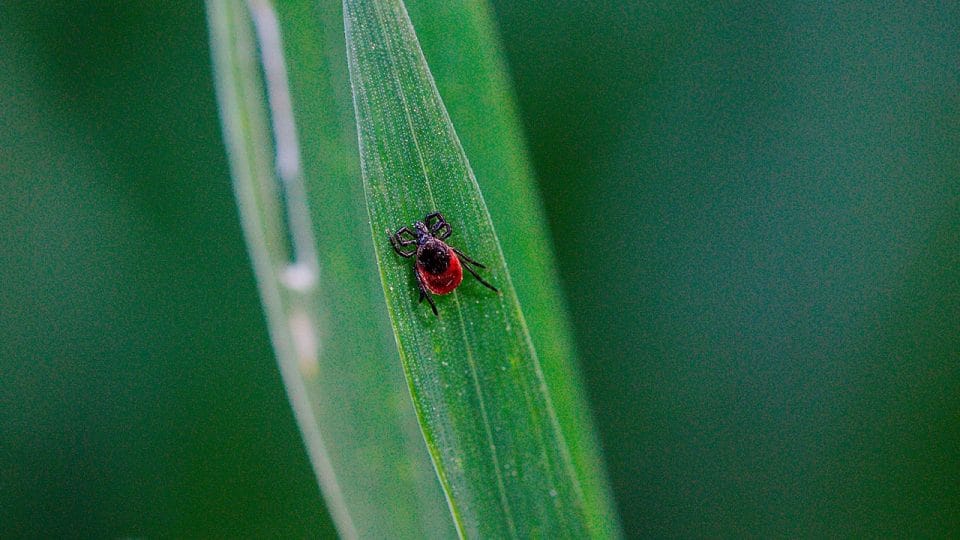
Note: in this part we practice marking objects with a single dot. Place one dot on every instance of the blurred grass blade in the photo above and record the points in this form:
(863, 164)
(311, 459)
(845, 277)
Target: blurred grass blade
(478, 387)
(323, 303)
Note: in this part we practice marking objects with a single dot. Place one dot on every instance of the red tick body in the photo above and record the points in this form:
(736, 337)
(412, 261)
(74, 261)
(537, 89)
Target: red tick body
(436, 278)
(438, 267)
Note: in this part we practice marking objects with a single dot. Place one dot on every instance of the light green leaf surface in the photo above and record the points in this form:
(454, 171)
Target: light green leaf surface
(461, 46)
(481, 394)
(331, 335)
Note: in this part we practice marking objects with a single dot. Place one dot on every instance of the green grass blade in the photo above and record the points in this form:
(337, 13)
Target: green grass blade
(474, 375)
(460, 43)
(332, 339)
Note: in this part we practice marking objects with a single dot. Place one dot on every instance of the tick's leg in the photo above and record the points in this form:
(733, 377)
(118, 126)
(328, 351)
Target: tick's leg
(398, 247)
(424, 293)
(480, 279)
(441, 229)
(468, 259)
(399, 242)
(434, 216)
(411, 236)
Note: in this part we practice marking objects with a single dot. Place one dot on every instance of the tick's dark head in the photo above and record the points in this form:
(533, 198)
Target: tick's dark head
(423, 232)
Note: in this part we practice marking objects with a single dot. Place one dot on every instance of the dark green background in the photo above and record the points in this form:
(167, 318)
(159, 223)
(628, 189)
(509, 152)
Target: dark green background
(756, 211)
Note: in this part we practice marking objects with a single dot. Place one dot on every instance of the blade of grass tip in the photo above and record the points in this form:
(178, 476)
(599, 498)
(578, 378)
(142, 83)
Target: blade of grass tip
(474, 376)
(339, 365)
(460, 41)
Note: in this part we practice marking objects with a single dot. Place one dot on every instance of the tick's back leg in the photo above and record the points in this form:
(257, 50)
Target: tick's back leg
(468, 259)
(480, 279)
(424, 293)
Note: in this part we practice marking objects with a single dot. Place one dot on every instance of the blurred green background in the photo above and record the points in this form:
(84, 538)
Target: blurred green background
(756, 211)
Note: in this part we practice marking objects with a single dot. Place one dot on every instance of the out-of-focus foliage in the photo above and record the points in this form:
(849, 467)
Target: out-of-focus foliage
(139, 393)
(755, 209)
(757, 215)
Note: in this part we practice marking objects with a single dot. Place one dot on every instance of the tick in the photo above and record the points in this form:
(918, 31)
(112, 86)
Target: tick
(437, 266)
